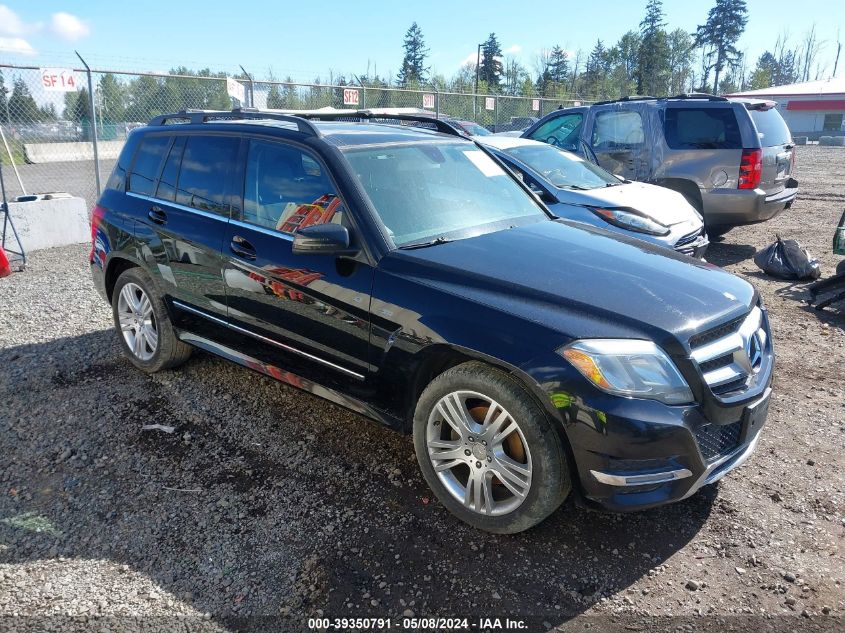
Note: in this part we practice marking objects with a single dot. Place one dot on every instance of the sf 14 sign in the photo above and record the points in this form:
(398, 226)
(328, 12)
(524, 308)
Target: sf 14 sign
(58, 79)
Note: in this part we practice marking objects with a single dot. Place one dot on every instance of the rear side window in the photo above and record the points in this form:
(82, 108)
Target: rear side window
(206, 165)
(147, 162)
(701, 128)
(618, 128)
(771, 128)
(167, 181)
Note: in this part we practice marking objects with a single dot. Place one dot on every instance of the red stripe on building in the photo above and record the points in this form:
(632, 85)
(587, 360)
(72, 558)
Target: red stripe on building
(819, 104)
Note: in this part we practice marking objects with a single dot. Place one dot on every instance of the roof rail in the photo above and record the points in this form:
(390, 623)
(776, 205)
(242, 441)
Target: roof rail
(378, 115)
(206, 116)
(698, 95)
(626, 98)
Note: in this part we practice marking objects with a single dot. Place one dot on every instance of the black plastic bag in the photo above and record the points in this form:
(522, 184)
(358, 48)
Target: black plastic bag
(787, 260)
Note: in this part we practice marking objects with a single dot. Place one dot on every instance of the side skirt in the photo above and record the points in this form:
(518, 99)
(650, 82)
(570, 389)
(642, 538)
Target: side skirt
(289, 378)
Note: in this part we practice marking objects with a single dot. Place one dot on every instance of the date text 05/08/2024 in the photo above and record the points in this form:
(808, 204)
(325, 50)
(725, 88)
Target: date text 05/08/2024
(417, 624)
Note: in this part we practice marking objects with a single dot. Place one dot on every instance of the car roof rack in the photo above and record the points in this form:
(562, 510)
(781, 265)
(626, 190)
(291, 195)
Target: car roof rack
(698, 95)
(627, 98)
(209, 116)
(378, 115)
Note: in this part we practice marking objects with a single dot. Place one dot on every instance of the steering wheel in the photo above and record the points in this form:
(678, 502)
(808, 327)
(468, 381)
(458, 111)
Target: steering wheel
(552, 140)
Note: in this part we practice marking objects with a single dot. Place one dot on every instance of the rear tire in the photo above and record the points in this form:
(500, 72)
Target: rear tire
(144, 330)
(488, 451)
(840, 268)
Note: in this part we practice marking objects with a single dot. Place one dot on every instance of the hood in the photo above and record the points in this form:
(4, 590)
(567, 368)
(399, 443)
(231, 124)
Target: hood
(659, 203)
(580, 281)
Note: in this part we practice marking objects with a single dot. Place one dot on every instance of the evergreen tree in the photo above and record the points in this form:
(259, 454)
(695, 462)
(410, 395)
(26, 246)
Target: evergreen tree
(274, 98)
(76, 106)
(725, 24)
(112, 106)
(680, 60)
(21, 104)
(595, 71)
(413, 63)
(653, 71)
(558, 65)
(491, 70)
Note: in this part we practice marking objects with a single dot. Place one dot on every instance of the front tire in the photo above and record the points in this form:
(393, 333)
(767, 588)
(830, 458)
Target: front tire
(144, 330)
(488, 451)
(718, 230)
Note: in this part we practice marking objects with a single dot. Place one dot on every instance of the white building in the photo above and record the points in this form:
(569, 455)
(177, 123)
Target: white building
(812, 108)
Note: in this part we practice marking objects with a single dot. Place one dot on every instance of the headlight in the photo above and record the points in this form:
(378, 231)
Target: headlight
(629, 219)
(628, 367)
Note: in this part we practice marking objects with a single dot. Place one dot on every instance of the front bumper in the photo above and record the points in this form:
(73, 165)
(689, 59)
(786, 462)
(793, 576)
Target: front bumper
(660, 454)
(745, 206)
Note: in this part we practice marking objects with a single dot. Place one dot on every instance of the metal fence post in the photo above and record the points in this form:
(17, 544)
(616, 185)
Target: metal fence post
(436, 103)
(251, 87)
(363, 95)
(93, 112)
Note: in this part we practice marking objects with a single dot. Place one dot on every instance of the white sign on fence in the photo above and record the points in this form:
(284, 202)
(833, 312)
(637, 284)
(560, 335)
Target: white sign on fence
(489, 103)
(428, 101)
(58, 79)
(350, 96)
(535, 105)
(576, 103)
(236, 89)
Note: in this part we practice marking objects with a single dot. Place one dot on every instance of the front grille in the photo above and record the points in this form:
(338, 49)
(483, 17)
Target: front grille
(689, 238)
(717, 439)
(716, 333)
(730, 354)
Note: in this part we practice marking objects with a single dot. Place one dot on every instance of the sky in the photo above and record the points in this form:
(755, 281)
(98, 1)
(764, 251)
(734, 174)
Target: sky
(306, 40)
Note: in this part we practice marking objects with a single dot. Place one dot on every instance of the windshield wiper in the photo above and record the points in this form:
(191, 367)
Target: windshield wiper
(576, 187)
(434, 242)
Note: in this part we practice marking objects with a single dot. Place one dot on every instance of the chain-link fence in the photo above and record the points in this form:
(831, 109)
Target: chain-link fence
(56, 138)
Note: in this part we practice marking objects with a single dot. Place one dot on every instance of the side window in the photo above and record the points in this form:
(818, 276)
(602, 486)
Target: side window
(206, 165)
(701, 128)
(167, 181)
(618, 128)
(286, 189)
(147, 162)
(562, 131)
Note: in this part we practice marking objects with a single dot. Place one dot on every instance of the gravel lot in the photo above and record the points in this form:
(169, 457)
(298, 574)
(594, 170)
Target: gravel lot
(270, 502)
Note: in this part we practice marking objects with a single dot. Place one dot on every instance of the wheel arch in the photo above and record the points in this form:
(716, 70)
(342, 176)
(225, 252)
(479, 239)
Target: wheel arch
(686, 188)
(116, 265)
(439, 358)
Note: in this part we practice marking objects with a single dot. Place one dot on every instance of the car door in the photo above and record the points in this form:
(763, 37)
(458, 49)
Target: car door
(563, 130)
(618, 138)
(308, 314)
(184, 212)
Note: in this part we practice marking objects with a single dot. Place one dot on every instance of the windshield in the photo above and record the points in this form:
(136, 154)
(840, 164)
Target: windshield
(426, 191)
(771, 127)
(562, 169)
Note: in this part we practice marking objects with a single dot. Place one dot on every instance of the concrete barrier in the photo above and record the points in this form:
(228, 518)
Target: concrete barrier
(64, 152)
(48, 222)
(832, 141)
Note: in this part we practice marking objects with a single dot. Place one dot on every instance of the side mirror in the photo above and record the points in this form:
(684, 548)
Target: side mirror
(322, 239)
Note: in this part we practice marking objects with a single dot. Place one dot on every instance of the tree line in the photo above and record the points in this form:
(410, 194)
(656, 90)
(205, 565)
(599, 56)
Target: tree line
(650, 60)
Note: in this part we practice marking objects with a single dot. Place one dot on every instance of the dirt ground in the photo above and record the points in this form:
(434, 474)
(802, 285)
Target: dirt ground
(268, 506)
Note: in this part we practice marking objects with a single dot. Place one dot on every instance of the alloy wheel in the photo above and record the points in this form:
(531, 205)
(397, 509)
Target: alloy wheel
(479, 453)
(137, 321)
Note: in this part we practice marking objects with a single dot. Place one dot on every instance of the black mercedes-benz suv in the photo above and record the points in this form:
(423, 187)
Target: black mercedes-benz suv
(406, 274)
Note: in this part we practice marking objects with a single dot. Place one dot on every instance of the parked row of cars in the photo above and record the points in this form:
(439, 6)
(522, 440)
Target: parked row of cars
(533, 321)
